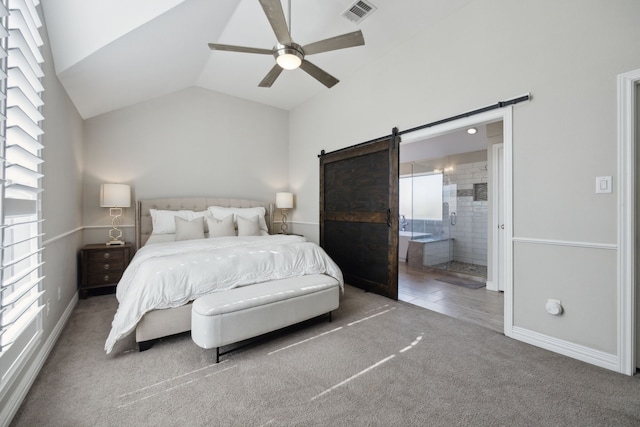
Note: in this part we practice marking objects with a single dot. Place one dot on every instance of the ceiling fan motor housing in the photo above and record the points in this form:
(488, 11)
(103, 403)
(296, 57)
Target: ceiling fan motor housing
(288, 57)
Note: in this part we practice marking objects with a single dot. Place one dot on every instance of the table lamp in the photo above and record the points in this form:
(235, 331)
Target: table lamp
(284, 201)
(115, 197)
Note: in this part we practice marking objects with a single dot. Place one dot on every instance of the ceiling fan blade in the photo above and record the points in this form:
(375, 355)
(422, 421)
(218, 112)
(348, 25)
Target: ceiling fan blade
(231, 48)
(320, 75)
(271, 76)
(275, 15)
(334, 43)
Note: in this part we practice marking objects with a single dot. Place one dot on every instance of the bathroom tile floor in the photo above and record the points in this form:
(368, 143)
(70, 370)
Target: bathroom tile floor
(464, 268)
(422, 288)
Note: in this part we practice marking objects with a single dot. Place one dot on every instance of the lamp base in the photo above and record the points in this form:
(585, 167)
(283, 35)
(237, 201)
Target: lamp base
(115, 233)
(283, 226)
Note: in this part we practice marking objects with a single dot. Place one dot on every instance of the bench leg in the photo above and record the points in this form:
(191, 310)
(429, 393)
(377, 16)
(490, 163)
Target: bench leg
(145, 345)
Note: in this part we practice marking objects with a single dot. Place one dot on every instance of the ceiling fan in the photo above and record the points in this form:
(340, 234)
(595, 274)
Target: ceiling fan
(290, 55)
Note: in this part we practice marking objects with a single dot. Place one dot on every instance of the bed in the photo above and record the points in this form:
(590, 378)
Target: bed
(168, 310)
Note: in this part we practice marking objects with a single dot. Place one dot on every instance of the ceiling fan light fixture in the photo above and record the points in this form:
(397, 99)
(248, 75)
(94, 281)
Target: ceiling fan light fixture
(289, 61)
(288, 57)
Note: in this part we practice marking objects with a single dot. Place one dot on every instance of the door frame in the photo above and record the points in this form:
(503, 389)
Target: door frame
(626, 283)
(504, 114)
(497, 177)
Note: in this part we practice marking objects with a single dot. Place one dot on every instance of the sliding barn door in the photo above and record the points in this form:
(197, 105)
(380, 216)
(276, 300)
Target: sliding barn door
(359, 214)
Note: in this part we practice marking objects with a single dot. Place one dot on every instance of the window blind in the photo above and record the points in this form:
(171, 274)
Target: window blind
(20, 153)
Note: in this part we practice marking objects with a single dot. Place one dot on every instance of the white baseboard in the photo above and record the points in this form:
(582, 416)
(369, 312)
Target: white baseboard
(30, 373)
(569, 349)
(492, 286)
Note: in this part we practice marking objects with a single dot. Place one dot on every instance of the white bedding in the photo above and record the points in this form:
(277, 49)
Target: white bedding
(166, 275)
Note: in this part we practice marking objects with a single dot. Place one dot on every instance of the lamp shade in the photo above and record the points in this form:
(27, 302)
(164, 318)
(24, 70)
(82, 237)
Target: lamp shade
(284, 200)
(115, 196)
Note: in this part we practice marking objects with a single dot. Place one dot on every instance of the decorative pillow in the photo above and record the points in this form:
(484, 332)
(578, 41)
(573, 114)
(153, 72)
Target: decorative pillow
(221, 227)
(163, 220)
(219, 212)
(248, 227)
(189, 230)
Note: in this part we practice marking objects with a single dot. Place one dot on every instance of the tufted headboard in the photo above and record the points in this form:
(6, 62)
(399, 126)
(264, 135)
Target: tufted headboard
(143, 217)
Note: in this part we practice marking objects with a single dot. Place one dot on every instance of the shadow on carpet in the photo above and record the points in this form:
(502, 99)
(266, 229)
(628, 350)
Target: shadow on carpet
(470, 284)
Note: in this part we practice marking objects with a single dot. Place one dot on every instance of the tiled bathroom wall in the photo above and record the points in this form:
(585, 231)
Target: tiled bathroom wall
(470, 231)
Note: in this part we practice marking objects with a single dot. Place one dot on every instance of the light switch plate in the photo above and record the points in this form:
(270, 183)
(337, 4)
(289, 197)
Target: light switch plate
(603, 184)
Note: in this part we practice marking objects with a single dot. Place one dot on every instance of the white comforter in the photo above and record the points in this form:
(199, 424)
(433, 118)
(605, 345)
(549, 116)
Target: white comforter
(166, 275)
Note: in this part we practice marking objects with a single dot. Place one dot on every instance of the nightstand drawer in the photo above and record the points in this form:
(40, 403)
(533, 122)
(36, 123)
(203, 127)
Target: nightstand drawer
(105, 266)
(105, 255)
(109, 278)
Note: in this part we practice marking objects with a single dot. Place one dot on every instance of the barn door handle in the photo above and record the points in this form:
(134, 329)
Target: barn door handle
(389, 218)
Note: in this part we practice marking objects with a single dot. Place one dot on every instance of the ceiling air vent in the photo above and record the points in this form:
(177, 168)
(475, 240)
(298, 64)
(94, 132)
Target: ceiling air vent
(358, 11)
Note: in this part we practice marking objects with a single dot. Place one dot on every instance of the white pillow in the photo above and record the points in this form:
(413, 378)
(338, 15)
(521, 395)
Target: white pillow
(189, 230)
(164, 223)
(248, 226)
(221, 227)
(218, 212)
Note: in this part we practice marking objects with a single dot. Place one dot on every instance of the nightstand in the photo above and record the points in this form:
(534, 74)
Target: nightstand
(102, 266)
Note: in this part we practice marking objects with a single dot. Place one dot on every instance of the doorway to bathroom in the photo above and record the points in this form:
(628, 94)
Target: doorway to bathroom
(448, 194)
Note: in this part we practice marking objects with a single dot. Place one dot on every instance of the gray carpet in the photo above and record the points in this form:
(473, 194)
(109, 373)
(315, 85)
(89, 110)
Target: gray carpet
(379, 363)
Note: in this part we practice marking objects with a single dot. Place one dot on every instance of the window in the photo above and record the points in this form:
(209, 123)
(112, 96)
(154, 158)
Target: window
(421, 197)
(20, 152)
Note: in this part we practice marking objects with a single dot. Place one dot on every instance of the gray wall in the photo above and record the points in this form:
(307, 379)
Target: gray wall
(568, 55)
(194, 142)
(61, 199)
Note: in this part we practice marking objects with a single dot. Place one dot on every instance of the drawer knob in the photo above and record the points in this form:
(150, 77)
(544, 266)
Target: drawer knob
(106, 277)
(107, 255)
(107, 266)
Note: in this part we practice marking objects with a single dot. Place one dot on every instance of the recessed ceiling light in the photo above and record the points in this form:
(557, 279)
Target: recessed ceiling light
(472, 131)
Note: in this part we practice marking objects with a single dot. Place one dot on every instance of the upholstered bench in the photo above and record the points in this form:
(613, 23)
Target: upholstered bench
(230, 316)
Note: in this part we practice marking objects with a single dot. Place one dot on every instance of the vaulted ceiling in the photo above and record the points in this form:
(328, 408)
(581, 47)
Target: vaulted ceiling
(109, 54)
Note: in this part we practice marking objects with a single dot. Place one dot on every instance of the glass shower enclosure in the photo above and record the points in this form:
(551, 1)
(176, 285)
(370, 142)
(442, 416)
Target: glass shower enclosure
(428, 214)
(444, 216)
